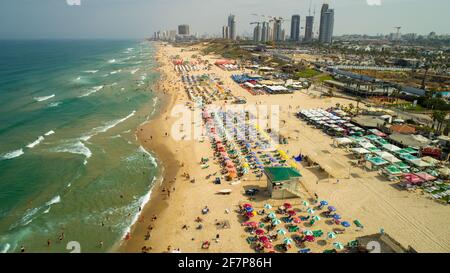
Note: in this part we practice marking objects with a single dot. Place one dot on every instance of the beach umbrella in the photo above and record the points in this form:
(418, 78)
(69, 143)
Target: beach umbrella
(297, 220)
(264, 239)
(331, 235)
(276, 221)
(272, 215)
(338, 245)
(288, 241)
(259, 231)
(323, 203)
(287, 205)
(268, 245)
(331, 208)
(310, 238)
(308, 233)
(249, 209)
(305, 203)
(316, 218)
(250, 224)
(247, 205)
(291, 213)
(267, 206)
(310, 211)
(281, 231)
(249, 214)
(345, 224)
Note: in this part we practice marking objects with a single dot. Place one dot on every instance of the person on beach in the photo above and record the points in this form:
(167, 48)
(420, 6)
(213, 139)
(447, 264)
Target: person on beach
(22, 249)
(61, 237)
(100, 244)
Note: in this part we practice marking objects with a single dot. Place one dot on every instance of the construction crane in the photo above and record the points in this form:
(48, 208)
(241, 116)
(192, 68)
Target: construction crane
(398, 32)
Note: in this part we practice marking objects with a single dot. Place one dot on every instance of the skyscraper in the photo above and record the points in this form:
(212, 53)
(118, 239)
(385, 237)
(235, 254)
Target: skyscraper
(265, 32)
(183, 30)
(278, 30)
(257, 33)
(326, 24)
(225, 32)
(309, 26)
(232, 27)
(295, 28)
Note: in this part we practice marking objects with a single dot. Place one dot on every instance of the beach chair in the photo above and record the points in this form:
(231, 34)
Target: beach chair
(358, 224)
(317, 233)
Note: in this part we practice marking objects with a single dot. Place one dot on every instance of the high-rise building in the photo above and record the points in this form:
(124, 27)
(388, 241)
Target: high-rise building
(257, 35)
(326, 24)
(309, 26)
(225, 32)
(183, 30)
(232, 27)
(295, 28)
(265, 32)
(278, 30)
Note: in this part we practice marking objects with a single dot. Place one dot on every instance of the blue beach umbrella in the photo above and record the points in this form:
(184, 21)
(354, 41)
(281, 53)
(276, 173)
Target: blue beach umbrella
(331, 208)
(337, 216)
(345, 224)
(323, 203)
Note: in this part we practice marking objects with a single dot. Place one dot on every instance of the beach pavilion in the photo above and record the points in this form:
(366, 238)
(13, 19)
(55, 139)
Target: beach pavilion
(283, 182)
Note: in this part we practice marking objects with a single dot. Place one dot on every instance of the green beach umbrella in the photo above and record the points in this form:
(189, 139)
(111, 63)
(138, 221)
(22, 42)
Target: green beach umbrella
(338, 245)
(288, 241)
(276, 221)
(267, 206)
(316, 218)
(308, 232)
(281, 231)
(272, 215)
(310, 211)
(305, 203)
(331, 235)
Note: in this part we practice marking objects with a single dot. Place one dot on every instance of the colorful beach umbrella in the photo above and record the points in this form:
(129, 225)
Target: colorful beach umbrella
(250, 224)
(272, 215)
(305, 203)
(331, 208)
(316, 218)
(268, 206)
(337, 216)
(288, 241)
(323, 203)
(338, 245)
(287, 205)
(249, 209)
(264, 239)
(281, 231)
(310, 238)
(276, 221)
(331, 235)
(297, 220)
(291, 213)
(308, 233)
(345, 224)
(310, 211)
(247, 205)
(259, 231)
(250, 214)
(268, 245)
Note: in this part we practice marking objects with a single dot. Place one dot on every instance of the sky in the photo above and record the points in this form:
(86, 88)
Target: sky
(41, 19)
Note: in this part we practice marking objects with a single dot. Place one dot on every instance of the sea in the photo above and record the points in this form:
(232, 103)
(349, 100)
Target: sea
(72, 172)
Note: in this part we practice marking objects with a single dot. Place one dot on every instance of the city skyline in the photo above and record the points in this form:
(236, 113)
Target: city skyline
(96, 19)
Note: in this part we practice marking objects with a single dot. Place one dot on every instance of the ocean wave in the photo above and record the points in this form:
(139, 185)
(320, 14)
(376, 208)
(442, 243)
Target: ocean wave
(36, 142)
(135, 70)
(79, 78)
(77, 147)
(92, 91)
(55, 104)
(11, 155)
(91, 71)
(115, 71)
(112, 61)
(49, 133)
(107, 126)
(152, 159)
(54, 200)
(31, 214)
(5, 248)
(39, 99)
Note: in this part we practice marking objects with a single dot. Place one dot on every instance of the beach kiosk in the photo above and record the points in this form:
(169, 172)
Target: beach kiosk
(283, 182)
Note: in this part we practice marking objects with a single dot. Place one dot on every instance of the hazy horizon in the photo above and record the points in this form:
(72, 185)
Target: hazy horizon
(125, 19)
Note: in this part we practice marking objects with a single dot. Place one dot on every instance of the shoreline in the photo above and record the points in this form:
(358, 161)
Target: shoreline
(157, 146)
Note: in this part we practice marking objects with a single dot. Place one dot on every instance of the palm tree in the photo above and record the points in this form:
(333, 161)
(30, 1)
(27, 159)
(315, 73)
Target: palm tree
(439, 117)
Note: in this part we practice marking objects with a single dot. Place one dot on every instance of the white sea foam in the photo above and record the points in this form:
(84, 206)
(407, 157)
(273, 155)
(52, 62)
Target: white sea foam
(91, 71)
(112, 61)
(115, 71)
(75, 148)
(135, 70)
(11, 155)
(92, 91)
(49, 133)
(32, 214)
(54, 200)
(114, 84)
(39, 99)
(105, 127)
(79, 78)
(55, 104)
(36, 142)
(5, 248)
(152, 159)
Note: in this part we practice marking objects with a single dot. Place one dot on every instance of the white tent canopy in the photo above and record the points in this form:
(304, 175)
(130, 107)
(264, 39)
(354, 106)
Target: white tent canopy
(343, 141)
(360, 151)
(388, 157)
(391, 148)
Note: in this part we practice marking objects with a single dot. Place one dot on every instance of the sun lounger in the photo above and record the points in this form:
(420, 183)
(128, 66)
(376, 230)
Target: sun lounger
(304, 250)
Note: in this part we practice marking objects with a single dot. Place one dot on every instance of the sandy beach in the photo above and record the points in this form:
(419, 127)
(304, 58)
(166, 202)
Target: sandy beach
(410, 218)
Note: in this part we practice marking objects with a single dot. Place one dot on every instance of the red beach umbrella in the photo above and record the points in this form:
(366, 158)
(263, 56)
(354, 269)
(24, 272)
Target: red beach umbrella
(259, 232)
(287, 205)
(247, 205)
(249, 214)
(250, 224)
(297, 220)
(309, 238)
(291, 213)
(268, 245)
(264, 239)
